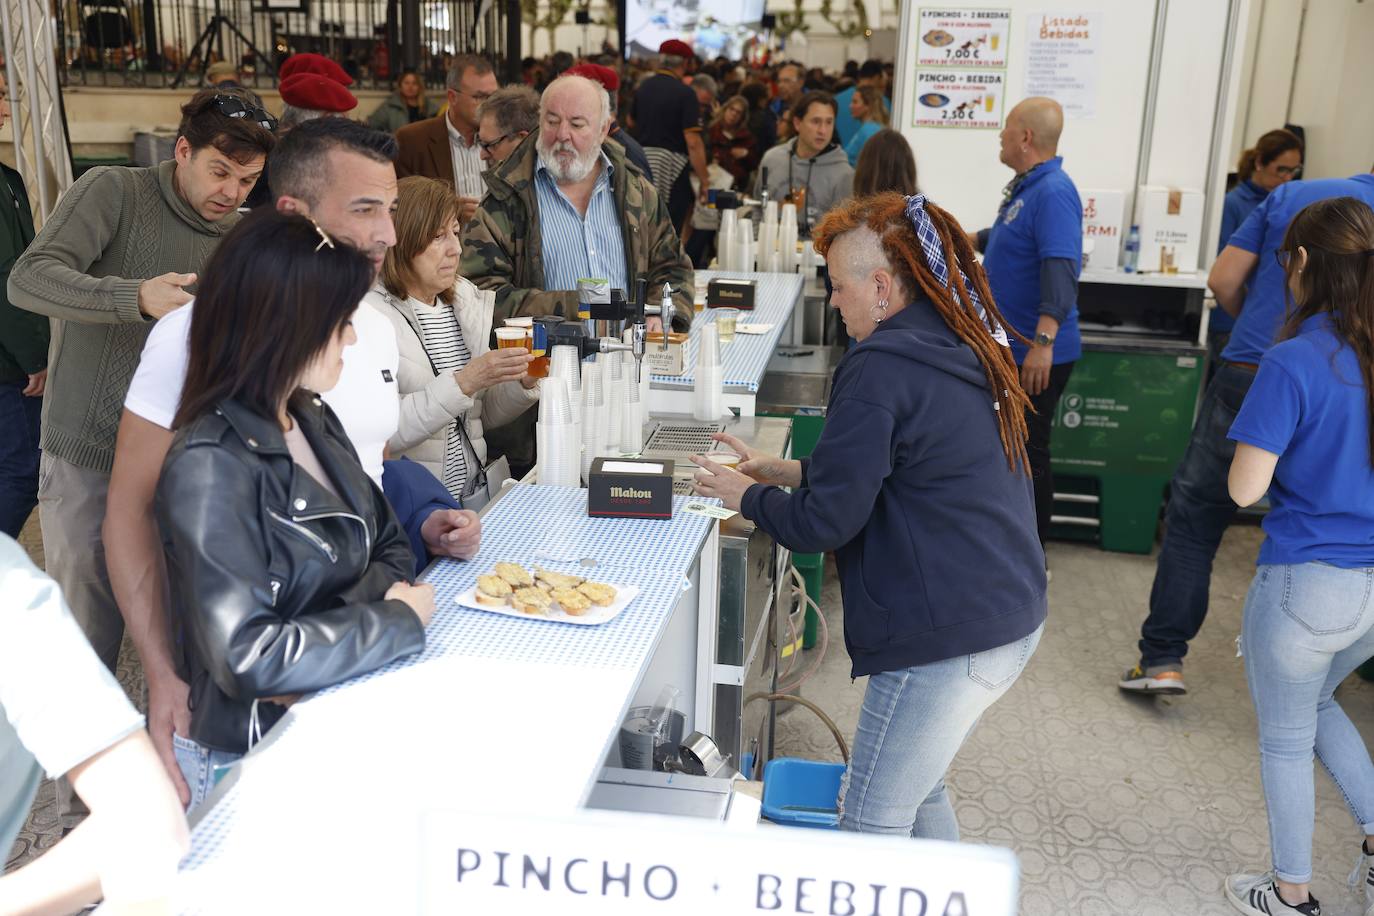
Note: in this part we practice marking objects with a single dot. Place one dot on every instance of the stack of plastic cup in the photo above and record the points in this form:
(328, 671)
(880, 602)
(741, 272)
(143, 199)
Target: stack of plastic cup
(744, 242)
(563, 364)
(708, 384)
(592, 415)
(768, 237)
(558, 452)
(787, 239)
(632, 427)
(615, 399)
(725, 239)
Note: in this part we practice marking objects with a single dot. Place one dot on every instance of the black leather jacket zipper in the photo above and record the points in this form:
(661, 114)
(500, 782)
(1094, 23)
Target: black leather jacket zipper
(324, 546)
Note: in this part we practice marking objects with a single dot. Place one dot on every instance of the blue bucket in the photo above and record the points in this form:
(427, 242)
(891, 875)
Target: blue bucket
(802, 793)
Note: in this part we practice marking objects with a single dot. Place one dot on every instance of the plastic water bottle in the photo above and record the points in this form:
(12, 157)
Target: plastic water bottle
(1132, 257)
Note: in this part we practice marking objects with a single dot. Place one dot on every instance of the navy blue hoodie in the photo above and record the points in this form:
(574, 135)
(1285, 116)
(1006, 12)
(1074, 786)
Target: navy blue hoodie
(933, 535)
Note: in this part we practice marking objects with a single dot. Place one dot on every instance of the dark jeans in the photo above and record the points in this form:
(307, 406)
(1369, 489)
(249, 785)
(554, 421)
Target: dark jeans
(1038, 445)
(1199, 510)
(680, 200)
(700, 246)
(18, 456)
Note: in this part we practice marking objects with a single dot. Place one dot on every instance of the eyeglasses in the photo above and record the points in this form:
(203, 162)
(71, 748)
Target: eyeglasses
(324, 236)
(488, 145)
(232, 107)
(1289, 171)
(476, 96)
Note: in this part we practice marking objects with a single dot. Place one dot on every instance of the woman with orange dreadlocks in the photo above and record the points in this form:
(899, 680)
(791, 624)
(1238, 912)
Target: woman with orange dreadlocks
(919, 483)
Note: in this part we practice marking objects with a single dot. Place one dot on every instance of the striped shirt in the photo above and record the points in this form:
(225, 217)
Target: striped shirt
(575, 247)
(467, 164)
(449, 352)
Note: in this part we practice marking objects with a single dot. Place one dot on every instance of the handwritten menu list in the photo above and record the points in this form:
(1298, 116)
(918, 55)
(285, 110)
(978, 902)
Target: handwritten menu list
(1062, 60)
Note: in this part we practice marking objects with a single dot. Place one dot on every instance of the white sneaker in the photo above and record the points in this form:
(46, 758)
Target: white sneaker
(1256, 895)
(1362, 878)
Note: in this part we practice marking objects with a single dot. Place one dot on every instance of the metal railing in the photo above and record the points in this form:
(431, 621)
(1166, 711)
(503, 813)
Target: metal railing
(164, 43)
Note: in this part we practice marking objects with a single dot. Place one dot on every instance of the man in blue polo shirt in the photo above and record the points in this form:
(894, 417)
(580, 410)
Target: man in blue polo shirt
(1249, 284)
(1032, 255)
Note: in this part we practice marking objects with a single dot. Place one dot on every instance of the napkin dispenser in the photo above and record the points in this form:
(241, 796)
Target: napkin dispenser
(731, 294)
(630, 488)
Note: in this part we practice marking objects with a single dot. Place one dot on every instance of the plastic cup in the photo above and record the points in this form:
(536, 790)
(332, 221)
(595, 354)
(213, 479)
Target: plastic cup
(510, 338)
(725, 459)
(726, 319)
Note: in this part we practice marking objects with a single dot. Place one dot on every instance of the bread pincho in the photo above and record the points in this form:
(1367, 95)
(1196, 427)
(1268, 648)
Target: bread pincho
(572, 601)
(556, 579)
(515, 574)
(531, 600)
(493, 591)
(600, 593)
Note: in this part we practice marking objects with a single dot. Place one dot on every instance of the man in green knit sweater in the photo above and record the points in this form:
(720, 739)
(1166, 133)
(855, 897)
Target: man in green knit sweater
(122, 249)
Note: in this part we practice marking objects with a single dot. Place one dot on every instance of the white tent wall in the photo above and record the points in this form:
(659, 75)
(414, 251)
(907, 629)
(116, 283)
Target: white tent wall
(960, 170)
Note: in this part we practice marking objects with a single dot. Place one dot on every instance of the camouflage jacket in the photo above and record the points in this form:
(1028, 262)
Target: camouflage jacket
(501, 244)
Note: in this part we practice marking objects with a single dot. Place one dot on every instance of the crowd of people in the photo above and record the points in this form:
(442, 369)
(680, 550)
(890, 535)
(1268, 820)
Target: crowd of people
(269, 398)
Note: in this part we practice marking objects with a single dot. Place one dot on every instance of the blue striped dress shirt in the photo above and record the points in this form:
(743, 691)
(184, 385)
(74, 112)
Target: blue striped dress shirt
(574, 247)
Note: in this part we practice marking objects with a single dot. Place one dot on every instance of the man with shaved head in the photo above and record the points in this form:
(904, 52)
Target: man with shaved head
(1032, 255)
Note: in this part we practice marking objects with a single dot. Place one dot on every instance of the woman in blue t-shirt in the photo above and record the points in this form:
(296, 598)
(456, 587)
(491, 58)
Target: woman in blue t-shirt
(866, 107)
(1275, 159)
(1304, 435)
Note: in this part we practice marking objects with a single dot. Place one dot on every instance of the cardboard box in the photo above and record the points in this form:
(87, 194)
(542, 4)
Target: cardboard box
(1102, 228)
(669, 361)
(1170, 229)
(630, 488)
(731, 294)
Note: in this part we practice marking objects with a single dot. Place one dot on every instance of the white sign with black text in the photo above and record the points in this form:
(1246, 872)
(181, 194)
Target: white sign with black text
(615, 863)
(963, 38)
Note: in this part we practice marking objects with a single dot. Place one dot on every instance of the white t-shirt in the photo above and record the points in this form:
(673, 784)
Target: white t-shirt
(365, 399)
(53, 723)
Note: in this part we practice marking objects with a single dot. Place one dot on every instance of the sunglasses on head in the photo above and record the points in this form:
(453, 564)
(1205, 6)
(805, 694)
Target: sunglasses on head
(232, 107)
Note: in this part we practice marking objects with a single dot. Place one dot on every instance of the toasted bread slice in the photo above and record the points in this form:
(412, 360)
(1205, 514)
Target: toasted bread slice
(493, 590)
(600, 593)
(531, 600)
(572, 601)
(557, 579)
(515, 574)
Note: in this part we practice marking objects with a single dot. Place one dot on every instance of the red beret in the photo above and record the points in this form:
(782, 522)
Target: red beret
(310, 90)
(597, 74)
(313, 63)
(677, 47)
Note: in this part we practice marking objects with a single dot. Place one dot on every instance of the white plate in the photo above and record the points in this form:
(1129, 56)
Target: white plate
(595, 615)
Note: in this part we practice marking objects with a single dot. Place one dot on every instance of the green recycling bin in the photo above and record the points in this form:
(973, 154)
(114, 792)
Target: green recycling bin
(1120, 429)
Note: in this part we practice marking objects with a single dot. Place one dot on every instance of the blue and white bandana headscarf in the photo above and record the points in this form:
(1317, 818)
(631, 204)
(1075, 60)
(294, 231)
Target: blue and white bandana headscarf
(935, 259)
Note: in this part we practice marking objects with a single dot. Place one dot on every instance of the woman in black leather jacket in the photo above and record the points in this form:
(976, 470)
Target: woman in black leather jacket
(290, 570)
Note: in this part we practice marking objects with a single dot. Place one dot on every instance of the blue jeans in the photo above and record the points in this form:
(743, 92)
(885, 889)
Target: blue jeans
(199, 767)
(912, 724)
(1306, 628)
(1200, 508)
(18, 456)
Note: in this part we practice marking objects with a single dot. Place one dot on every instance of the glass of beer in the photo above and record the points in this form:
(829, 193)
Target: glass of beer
(510, 338)
(539, 346)
(725, 324)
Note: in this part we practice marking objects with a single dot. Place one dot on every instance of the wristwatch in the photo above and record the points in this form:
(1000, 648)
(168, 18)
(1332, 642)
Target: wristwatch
(1044, 340)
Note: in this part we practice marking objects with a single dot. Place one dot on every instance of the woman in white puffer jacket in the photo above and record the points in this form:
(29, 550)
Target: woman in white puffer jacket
(452, 385)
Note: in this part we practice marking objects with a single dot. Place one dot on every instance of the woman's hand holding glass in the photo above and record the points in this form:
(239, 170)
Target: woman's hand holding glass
(492, 368)
(764, 468)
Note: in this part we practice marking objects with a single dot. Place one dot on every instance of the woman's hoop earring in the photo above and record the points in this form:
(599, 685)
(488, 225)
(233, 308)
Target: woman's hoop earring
(879, 312)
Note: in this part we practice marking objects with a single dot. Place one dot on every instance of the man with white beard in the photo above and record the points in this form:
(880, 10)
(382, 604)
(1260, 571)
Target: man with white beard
(567, 205)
